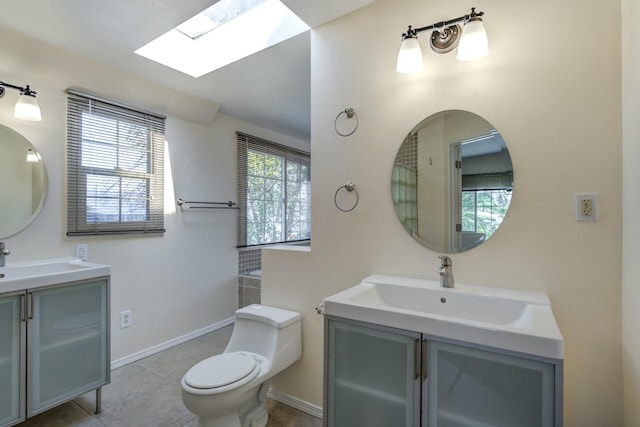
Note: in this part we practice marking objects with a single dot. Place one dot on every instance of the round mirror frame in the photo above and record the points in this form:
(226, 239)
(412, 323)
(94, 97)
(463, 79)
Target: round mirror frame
(447, 164)
(23, 184)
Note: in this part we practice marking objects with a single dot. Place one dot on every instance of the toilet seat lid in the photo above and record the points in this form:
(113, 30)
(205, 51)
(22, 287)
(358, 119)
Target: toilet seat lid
(220, 370)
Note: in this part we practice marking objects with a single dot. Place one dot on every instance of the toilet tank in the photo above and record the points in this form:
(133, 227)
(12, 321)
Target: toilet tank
(272, 332)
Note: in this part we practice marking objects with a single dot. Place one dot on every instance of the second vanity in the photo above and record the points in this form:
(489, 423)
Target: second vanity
(407, 352)
(54, 335)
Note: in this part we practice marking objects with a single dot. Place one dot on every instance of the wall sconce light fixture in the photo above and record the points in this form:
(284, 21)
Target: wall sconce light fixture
(27, 107)
(32, 157)
(445, 36)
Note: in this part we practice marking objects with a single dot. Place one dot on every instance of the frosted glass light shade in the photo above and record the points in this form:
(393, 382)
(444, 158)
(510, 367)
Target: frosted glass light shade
(409, 56)
(27, 108)
(32, 157)
(473, 42)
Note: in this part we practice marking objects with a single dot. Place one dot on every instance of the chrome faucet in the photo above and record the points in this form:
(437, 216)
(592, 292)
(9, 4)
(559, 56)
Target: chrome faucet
(446, 272)
(3, 253)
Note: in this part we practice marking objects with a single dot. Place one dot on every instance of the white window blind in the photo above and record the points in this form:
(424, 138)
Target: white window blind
(115, 168)
(274, 192)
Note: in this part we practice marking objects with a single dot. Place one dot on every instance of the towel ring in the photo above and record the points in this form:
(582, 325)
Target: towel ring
(349, 113)
(349, 186)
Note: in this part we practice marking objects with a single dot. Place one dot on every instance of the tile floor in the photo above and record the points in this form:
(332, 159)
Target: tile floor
(147, 394)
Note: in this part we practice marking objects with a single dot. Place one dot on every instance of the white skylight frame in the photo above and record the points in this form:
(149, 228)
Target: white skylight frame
(263, 26)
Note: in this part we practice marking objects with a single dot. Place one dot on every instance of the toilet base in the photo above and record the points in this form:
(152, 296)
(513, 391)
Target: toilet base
(230, 420)
(257, 418)
(260, 422)
(256, 415)
(252, 414)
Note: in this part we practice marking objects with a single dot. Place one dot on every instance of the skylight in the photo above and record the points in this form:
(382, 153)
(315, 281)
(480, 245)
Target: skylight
(224, 33)
(211, 18)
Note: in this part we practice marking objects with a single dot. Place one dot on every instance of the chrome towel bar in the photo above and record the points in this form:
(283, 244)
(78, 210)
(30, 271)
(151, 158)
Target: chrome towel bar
(208, 205)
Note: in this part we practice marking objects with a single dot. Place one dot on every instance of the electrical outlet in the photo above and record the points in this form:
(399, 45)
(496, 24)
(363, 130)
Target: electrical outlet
(82, 252)
(587, 207)
(126, 319)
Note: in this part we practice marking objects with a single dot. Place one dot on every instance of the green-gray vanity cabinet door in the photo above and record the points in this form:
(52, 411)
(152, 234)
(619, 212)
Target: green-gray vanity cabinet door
(68, 343)
(12, 329)
(372, 376)
(473, 387)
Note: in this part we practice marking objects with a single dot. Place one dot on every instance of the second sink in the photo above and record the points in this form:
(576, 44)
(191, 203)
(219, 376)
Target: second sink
(34, 274)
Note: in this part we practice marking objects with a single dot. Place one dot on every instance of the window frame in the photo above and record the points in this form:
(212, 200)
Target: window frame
(247, 143)
(78, 105)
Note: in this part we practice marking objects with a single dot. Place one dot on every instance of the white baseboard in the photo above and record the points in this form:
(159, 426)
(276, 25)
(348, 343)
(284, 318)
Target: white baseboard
(298, 404)
(168, 344)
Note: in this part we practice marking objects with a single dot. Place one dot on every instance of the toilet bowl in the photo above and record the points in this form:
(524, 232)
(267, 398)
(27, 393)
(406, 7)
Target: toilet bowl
(230, 389)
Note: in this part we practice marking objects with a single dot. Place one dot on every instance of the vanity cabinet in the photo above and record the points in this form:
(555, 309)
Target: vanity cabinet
(377, 376)
(54, 346)
(371, 376)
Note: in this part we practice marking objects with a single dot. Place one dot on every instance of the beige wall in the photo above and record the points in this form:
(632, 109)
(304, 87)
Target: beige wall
(552, 88)
(631, 207)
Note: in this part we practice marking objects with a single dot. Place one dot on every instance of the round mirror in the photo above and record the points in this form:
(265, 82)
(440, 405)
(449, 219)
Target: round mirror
(452, 181)
(23, 182)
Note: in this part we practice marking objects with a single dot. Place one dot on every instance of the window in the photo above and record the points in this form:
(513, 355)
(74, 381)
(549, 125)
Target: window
(485, 201)
(115, 166)
(274, 192)
(484, 210)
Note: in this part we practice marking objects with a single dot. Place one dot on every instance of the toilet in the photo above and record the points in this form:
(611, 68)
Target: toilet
(230, 389)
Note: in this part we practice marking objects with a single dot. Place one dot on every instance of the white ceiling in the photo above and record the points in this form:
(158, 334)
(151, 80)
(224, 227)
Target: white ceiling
(269, 88)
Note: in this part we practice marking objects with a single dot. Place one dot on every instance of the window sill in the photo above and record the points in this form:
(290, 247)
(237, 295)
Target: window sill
(291, 248)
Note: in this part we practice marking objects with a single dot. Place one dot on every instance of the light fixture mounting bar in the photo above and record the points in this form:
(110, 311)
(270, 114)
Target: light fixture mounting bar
(412, 32)
(23, 90)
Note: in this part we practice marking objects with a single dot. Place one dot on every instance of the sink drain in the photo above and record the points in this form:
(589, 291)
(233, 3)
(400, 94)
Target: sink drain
(443, 300)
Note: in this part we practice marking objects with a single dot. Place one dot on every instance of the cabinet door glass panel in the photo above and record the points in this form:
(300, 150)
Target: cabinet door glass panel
(10, 358)
(471, 387)
(371, 380)
(67, 343)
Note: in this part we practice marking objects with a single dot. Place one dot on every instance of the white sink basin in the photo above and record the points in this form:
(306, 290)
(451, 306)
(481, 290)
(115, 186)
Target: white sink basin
(507, 319)
(34, 274)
